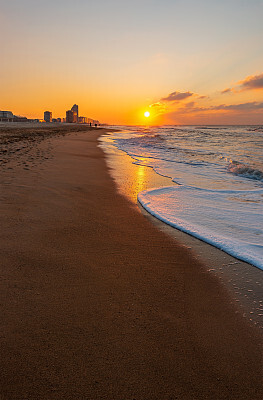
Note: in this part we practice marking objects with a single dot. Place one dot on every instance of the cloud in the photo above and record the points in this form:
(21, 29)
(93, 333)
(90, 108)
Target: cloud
(252, 106)
(226, 91)
(160, 108)
(177, 96)
(193, 113)
(252, 82)
(157, 105)
(193, 108)
(191, 105)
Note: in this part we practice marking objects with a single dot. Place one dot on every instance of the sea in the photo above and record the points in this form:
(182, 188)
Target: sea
(206, 181)
(216, 175)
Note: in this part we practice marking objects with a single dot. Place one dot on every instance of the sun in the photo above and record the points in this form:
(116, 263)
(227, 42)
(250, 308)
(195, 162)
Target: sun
(147, 114)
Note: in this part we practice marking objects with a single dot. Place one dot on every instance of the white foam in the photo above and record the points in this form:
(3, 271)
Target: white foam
(218, 217)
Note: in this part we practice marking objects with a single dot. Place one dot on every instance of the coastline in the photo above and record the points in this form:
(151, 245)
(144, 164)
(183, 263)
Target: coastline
(99, 303)
(242, 280)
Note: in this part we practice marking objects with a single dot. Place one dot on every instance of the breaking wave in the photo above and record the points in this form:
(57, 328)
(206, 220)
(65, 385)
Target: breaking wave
(245, 171)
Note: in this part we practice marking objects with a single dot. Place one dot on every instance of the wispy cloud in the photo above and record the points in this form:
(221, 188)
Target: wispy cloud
(159, 107)
(251, 106)
(177, 96)
(192, 107)
(226, 90)
(252, 82)
(187, 105)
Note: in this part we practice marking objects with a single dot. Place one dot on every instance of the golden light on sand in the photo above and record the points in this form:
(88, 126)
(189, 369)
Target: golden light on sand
(146, 114)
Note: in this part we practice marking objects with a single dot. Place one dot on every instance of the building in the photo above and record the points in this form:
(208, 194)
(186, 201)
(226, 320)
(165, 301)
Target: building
(48, 116)
(75, 110)
(18, 118)
(82, 120)
(6, 116)
(69, 116)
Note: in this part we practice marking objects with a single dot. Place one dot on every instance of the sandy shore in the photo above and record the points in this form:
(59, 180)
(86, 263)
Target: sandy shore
(243, 281)
(97, 302)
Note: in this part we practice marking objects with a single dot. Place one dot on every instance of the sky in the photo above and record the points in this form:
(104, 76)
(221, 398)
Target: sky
(184, 61)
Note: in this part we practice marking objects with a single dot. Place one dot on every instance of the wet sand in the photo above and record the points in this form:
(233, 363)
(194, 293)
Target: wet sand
(243, 281)
(97, 302)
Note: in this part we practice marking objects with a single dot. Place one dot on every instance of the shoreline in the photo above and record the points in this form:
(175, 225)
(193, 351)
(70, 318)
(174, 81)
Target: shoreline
(242, 280)
(99, 303)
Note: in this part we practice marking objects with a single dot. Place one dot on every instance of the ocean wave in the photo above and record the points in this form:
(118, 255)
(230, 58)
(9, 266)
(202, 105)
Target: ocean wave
(213, 127)
(212, 216)
(256, 129)
(245, 171)
(189, 154)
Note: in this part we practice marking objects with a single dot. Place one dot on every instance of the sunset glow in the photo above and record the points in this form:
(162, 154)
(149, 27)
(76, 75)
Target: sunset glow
(112, 75)
(147, 114)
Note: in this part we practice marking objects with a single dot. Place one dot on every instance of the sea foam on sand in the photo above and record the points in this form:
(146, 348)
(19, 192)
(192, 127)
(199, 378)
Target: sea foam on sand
(218, 217)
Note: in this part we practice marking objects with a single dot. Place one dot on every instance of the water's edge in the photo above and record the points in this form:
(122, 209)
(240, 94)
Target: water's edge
(243, 281)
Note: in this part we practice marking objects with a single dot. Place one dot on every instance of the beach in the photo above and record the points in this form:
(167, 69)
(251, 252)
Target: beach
(135, 175)
(97, 302)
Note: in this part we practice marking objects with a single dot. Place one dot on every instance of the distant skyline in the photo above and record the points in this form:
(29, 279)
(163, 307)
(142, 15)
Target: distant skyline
(186, 62)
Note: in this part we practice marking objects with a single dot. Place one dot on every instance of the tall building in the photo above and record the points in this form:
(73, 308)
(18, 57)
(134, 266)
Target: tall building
(75, 110)
(69, 116)
(48, 116)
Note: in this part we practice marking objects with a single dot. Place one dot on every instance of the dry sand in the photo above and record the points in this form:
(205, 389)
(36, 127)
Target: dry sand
(96, 301)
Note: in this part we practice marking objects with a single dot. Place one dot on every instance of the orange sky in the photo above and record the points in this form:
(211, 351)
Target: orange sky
(118, 59)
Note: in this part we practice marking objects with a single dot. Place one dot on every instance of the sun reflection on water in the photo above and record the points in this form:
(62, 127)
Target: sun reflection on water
(131, 177)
